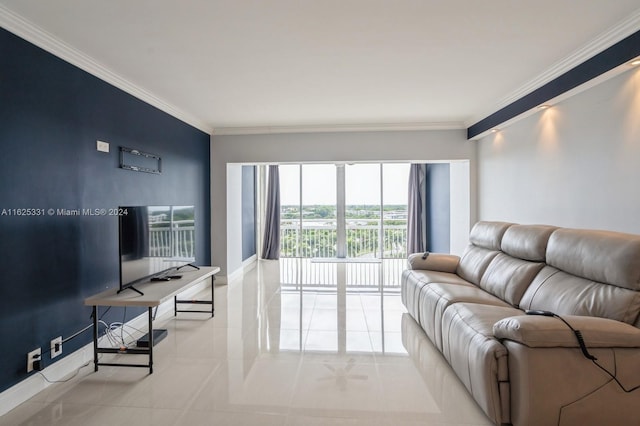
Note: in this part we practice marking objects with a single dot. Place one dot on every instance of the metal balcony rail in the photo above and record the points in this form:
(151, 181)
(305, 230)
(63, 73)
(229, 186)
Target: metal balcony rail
(297, 273)
(300, 241)
(318, 238)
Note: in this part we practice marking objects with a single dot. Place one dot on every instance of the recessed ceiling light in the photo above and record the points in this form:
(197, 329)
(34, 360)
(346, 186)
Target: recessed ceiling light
(541, 107)
(635, 62)
(494, 130)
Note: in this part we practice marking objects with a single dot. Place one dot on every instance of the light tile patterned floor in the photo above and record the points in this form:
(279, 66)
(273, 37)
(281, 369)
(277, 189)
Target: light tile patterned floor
(275, 354)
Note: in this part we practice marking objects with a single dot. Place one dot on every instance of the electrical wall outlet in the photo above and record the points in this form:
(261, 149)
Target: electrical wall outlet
(32, 356)
(56, 347)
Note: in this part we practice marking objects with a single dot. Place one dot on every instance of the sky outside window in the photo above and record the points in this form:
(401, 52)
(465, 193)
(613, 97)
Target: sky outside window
(363, 184)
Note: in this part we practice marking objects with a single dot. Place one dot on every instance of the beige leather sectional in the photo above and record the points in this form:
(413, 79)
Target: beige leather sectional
(530, 369)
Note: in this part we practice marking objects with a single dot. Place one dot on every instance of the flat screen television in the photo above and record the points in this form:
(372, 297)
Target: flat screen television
(154, 241)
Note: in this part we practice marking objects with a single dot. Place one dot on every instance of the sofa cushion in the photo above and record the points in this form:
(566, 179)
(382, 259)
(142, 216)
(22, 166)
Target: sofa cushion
(606, 257)
(528, 242)
(436, 298)
(412, 282)
(508, 277)
(477, 357)
(565, 294)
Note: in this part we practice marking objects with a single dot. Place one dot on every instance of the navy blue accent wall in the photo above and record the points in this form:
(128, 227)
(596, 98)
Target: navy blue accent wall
(438, 207)
(51, 114)
(248, 211)
(616, 55)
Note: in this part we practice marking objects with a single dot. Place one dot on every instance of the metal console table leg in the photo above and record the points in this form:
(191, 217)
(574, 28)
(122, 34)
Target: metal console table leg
(95, 338)
(177, 301)
(133, 351)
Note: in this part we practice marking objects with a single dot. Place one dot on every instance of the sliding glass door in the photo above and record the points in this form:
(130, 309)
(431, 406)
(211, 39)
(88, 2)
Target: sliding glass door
(363, 210)
(290, 210)
(394, 209)
(355, 211)
(308, 200)
(319, 211)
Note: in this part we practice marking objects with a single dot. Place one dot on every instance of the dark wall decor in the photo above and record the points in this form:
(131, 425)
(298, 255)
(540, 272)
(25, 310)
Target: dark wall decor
(140, 161)
(53, 251)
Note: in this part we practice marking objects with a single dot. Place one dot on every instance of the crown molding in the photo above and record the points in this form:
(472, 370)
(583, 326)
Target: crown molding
(620, 31)
(25, 29)
(330, 128)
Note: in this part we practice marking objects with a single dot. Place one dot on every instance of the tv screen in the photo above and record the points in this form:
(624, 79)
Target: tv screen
(154, 240)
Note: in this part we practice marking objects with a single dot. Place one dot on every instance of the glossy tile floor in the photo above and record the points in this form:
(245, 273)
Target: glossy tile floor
(274, 354)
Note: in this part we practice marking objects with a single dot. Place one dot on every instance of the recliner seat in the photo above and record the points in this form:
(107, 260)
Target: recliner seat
(472, 309)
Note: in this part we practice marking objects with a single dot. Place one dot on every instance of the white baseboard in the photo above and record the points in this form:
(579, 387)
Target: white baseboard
(250, 263)
(246, 266)
(235, 275)
(32, 385)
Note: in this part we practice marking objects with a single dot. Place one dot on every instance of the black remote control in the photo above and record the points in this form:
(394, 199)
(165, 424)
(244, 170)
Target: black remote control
(543, 313)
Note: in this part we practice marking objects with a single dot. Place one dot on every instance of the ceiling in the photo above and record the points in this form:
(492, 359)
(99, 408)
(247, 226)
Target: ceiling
(238, 65)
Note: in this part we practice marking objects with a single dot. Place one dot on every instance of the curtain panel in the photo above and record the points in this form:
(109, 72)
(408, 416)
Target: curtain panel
(415, 230)
(271, 240)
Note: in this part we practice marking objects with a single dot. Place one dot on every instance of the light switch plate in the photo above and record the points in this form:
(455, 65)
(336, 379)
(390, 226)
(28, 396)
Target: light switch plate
(102, 146)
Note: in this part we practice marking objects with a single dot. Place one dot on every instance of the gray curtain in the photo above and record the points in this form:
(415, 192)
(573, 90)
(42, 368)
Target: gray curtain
(271, 241)
(415, 231)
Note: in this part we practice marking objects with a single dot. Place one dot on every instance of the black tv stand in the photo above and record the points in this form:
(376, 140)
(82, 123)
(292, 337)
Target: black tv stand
(188, 264)
(132, 288)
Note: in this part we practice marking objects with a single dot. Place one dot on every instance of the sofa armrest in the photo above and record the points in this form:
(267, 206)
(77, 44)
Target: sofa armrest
(434, 262)
(548, 332)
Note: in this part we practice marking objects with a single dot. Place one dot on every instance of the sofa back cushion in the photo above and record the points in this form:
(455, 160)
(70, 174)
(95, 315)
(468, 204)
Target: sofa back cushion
(488, 234)
(607, 257)
(565, 294)
(508, 277)
(595, 273)
(484, 242)
(474, 262)
(528, 242)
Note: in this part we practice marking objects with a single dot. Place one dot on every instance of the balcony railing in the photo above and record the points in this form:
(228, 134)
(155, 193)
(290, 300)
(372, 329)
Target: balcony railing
(318, 238)
(299, 273)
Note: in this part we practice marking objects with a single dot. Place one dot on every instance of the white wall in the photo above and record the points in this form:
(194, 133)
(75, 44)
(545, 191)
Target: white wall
(234, 215)
(460, 206)
(436, 145)
(575, 165)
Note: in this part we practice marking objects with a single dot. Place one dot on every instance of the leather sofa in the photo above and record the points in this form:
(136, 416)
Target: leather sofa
(530, 369)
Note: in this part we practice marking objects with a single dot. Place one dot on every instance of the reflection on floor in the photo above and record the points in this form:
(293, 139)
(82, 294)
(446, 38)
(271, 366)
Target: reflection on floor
(276, 353)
